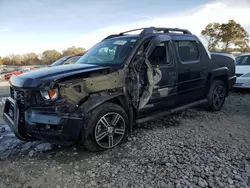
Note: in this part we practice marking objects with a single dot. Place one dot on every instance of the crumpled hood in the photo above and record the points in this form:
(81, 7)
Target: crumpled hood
(45, 75)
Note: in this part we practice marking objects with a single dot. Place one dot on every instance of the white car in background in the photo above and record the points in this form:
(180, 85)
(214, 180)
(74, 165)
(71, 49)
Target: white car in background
(242, 71)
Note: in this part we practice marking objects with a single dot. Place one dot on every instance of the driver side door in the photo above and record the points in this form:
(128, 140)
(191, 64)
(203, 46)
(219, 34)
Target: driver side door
(160, 56)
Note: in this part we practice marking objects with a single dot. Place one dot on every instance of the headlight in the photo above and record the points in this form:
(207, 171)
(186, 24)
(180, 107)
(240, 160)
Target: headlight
(246, 75)
(50, 94)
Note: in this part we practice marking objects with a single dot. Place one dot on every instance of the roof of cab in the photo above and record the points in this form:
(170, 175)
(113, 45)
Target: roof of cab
(153, 31)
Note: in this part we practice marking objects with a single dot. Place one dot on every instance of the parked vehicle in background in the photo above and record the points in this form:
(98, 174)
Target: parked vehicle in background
(4, 71)
(243, 71)
(123, 80)
(70, 59)
(16, 73)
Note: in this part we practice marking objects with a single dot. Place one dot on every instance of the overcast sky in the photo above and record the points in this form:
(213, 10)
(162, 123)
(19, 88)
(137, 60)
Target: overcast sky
(38, 25)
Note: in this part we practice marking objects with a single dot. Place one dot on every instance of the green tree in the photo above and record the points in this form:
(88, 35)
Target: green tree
(31, 59)
(16, 59)
(211, 33)
(233, 33)
(6, 61)
(226, 35)
(50, 56)
(1, 61)
(73, 51)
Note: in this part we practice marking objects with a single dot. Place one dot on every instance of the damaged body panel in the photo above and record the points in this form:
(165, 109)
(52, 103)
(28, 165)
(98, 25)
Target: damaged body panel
(76, 91)
(154, 75)
(124, 79)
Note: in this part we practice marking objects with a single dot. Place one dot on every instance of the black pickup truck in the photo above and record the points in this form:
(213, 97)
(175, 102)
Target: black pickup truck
(123, 80)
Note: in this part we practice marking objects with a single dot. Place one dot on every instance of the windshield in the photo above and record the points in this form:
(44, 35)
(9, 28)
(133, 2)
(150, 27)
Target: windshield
(72, 60)
(112, 51)
(59, 61)
(243, 60)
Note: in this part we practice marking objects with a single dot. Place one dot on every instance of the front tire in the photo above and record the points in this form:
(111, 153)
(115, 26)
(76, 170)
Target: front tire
(106, 127)
(216, 95)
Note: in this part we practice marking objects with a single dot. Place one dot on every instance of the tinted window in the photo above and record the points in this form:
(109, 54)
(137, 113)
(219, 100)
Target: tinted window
(188, 51)
(161, 54)
(243, 60)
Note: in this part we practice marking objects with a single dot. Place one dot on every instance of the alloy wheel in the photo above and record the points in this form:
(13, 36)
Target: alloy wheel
(219, 96)
(110, 130)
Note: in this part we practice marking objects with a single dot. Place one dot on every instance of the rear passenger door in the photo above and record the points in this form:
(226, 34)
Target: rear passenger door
(192, 71)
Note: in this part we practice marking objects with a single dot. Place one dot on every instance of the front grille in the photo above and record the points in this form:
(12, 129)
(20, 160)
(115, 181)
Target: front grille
(19, 95)
(12, 92)
(238, 75)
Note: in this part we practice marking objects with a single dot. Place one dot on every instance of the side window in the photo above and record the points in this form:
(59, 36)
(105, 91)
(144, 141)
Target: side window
(244, 60)
(188, 51)
(161, 55)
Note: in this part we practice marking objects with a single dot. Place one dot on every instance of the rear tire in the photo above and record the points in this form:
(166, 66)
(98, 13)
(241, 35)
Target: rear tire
(106, 127)
(216, 95)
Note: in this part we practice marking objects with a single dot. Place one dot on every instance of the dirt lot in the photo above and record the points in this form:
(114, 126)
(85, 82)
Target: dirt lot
(194, 148)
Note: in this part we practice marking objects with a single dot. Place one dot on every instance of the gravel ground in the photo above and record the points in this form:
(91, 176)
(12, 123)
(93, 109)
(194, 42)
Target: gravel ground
(193, 148)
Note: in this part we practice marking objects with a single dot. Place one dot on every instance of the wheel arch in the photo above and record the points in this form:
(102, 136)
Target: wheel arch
(118, 98)
(219, 74)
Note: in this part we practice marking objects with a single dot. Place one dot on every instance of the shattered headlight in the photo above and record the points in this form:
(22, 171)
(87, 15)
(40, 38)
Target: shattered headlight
(51, 94)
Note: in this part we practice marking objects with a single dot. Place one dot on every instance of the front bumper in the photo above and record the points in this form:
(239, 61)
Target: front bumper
(242, 82)
(241, 85)
(39, 123)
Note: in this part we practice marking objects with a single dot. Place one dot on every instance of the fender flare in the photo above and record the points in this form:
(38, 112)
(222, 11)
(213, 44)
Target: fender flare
(97, 99)
(218, 72)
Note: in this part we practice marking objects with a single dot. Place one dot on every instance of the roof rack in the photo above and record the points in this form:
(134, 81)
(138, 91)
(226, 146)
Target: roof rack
(165, 30)
(121, 34)
(112, 36)
(150, 30)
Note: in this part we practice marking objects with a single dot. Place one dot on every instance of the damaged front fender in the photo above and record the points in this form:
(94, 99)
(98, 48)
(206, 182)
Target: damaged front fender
(76, 91)
(97, 99)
